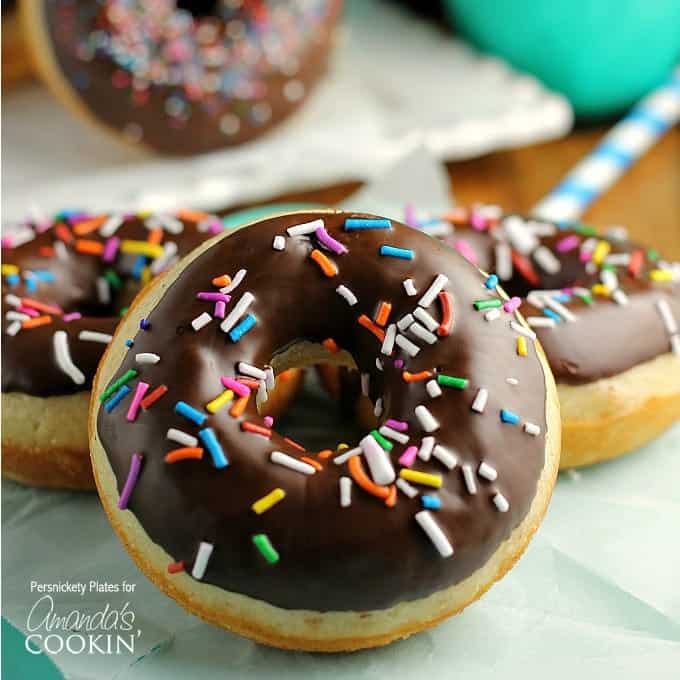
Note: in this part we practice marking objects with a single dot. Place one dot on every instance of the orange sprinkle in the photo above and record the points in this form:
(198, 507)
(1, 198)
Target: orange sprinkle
(326, 453)
(63, 233)
(356, 469)
(175, 567)
(248, 382)
(331, 345)
(447, 314)
(314, 463)
(391, 499)
(40, 306)
(367, 323)
(46, 251)
(153, 396)
(36, 321)
(247, 426)
(239, 407)
(286, 375)
(192, 215)
(413, 377)
(221, 281)
(456, 216)
(295, 445)
(383, 313)
(327, 267)
(186, 453)
(88, 226)
(155, 236)
(89, 247)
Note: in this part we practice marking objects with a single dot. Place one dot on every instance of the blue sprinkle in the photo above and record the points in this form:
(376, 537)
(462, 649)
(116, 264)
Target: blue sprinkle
(13, 279)
(430, 502)
(562, 297)
(391, 251)
(44, 275)
(491, 282)
(553, 315)
(31, 285)
(210, 440)
(129, 342)
(144, 324)
(117, 398)
(138, 267)
(509, 417)
(190, 413)
(356, 223)
(242, 328)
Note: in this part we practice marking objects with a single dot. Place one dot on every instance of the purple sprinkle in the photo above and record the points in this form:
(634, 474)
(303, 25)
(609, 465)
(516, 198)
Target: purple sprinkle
(268, 421)
(330, 243)
(568, 243)
(220, 309)
(72, 316)
(409, 456)
(398, 425)
(213, 297)
(110, 249)
(144, 324)
(399, 363)
(135, 466)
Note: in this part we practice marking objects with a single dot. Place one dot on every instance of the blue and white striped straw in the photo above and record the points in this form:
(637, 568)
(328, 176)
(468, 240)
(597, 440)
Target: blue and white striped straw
(620, 148)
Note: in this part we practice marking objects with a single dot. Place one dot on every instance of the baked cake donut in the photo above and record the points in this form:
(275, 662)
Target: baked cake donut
(329, 550)
(65, 284)
(182, 77)
(16, 65)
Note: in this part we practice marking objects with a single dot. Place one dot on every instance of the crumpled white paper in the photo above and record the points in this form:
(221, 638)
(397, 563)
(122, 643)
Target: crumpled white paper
(394, 80)
(595, 596)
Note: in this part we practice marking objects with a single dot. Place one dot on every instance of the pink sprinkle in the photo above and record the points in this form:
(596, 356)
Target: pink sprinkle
(220, 309)
(568, 243)
(268, 421)
(477, 221)
(235, 386)
(330, 243)
(28, 310)
(399, 363)
(409, 456)
(585, 255)
(142, 387)
(512, 304)
(465, 249)
(398, 425)
(6, 242)
(42, 227)
(213, 297)
(568, 291)
(133, 474)
(215, 227)
(110, 249)
(410, 215)
(72, 316)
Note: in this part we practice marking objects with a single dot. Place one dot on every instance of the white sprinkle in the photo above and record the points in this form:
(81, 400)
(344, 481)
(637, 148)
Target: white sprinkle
(512, 381)
(501, 502)
(422, 333)
(438, 229)
(667, 317)
(406, 488)
(201, 321)
(492, 314)
(522, 330)
(171, 224)
(182, 438)
(63, 357)
(435, 288)
(445, 457)
(202, 558)
(103, 291)
(13, 328)
(147, 358)
(345, 292)
(391, 433)
(161, 263)
(345, 492)
(675, 344)
(269, 378)
(60, 250)
(291, 463)
(12, 300)
(346, 455)
(487, 472)
(378, 460)
(588, 245)
(469, 479)
(538, 297)
(235, 282)
(378, 408)
(410, 348)
(616, 233)
(239, 310)
(433, 389)
(305, 228)
(620, 297)
(426, 319)
(546, 260)
(609, 278)
(365, 382)
(410, 287)
(279, 243)
(405, 322)
(426, 448)
(24, 235)
(503, 261)
(560, 309)
(618, 259)
(379, 363)
(388, 342)
(591, 268)
(532, 429)
(434, 533)
(427, 421)
(541, 322)
(479, 402)
(111, 226)
(521, 238)
(262, 394)
(94, 336)
(250, 370)
(16, 316)
(541, 228)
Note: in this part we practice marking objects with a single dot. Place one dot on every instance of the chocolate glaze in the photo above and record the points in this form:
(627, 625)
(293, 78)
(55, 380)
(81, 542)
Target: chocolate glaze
(366, 556)
(165, 117)
(28, 362)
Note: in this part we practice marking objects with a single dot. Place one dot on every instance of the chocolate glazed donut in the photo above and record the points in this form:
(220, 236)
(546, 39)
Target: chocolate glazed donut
(321, 550)
(182, 77)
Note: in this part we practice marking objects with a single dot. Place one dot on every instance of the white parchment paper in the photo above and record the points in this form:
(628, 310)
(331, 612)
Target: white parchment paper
(596, 596)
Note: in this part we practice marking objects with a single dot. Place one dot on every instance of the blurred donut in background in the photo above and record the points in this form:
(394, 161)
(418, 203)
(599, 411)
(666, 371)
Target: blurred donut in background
(16, 65)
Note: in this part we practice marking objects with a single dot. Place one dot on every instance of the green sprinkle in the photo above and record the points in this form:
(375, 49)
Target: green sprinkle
(585, 230)
(263, 544)
(381, 440)
(587, 298)
(452, 381)
(487, 304)
(608, 268)
(113, 279)
(652, 255)
(125, 378)
(123, 311)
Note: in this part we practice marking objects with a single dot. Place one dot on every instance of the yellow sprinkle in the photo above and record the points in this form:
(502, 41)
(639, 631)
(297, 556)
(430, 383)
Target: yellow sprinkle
(141, 248)
(421, 478)
(220, 401)
(144, 214)
(601, 251)
(522, 346)
(8, 269)
(600, 289)
(146, 275)
(343, 446)
(661, 275)
(268, 501)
